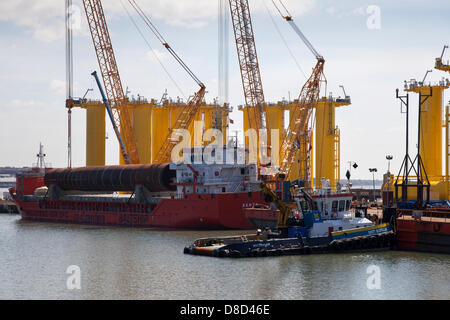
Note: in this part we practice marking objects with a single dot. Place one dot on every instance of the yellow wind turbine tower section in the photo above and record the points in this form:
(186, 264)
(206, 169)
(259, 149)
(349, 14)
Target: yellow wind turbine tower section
(275, 120)
(142, 125)
(327, 142)
(431, 134)
(431, 127)
(442, 66)
(164, 117)
(141, 119)
(95, 135)
(95, 131)
(150, 123)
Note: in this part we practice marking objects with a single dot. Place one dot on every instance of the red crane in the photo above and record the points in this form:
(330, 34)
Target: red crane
(111, 79)
(298, 137)
(188, 112)
(248, 62)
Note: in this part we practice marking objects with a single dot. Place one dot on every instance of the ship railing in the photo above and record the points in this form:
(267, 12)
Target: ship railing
(236, 187)
(443, 215)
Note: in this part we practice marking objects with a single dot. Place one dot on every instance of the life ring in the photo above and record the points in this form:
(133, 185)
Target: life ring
(436, 227)
(334, 215)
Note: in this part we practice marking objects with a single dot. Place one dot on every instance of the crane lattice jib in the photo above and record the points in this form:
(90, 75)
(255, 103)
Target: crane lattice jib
(111, 78)
(183, 121)
(300, 116)
(248, 61)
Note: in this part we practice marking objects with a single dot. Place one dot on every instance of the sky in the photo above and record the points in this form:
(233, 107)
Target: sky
(369, 47)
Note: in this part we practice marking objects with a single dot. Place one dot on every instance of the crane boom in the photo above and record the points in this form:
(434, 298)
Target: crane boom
(298, 126)
(298, 130)
(188, 112)
(288, 18)
(248, 61)
(110, 114)
(111, 78)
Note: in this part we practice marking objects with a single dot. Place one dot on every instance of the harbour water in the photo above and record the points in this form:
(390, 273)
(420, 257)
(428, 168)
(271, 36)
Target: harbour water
(123, 263)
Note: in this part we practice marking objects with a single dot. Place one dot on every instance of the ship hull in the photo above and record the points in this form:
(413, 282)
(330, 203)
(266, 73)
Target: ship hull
(425, 236)
(220, 211)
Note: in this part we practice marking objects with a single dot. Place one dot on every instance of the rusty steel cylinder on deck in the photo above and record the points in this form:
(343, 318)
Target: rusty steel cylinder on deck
(154, 177)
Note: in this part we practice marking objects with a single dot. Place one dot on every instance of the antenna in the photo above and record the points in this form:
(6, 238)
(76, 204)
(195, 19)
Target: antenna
(69, 79)
(41, 155)
(345, 94)
(87, 91)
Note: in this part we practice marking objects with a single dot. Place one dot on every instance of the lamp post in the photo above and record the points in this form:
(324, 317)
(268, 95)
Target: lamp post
(389, 158)
(348, 174)
(373, 170)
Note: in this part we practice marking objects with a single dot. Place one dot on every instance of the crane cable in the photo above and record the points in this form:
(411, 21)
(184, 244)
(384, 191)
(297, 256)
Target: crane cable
(152, 50)
(155, 31)
(289, 19)
(285, 42)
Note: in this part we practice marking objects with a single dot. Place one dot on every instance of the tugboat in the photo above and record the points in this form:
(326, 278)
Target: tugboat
(334, 209)
(320, 223)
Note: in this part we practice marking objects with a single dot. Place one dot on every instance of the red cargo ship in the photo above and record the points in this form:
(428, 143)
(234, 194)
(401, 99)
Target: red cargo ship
(425, 230)
(167, 196)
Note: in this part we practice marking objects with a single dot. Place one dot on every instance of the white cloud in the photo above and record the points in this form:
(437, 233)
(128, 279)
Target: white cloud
(58, 87)
(155, 55)
(295, 7)
(44, 19)
(340, 13)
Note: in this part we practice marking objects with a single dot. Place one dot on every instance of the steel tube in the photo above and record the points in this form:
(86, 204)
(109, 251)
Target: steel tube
(154, 177)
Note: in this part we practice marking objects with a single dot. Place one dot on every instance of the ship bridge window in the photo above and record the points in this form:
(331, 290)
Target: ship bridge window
(315, 206)
(304, 205)
(342, 205)
(334, 206)
(348, 204)
(242, 171)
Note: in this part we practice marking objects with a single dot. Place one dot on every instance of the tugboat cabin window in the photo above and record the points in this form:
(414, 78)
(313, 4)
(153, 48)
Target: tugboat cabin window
(334, 206)
(304, 205)
(348, 204)
(342, 205)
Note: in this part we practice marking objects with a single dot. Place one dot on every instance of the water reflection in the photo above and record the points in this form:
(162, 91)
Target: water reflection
(121, 263)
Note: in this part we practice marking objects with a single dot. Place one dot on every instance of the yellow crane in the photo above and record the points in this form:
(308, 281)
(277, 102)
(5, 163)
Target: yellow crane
(111, 79)
(297, 137)
(440, 65)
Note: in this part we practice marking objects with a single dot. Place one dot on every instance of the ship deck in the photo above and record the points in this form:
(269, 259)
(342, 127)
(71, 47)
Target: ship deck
(425, 219)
